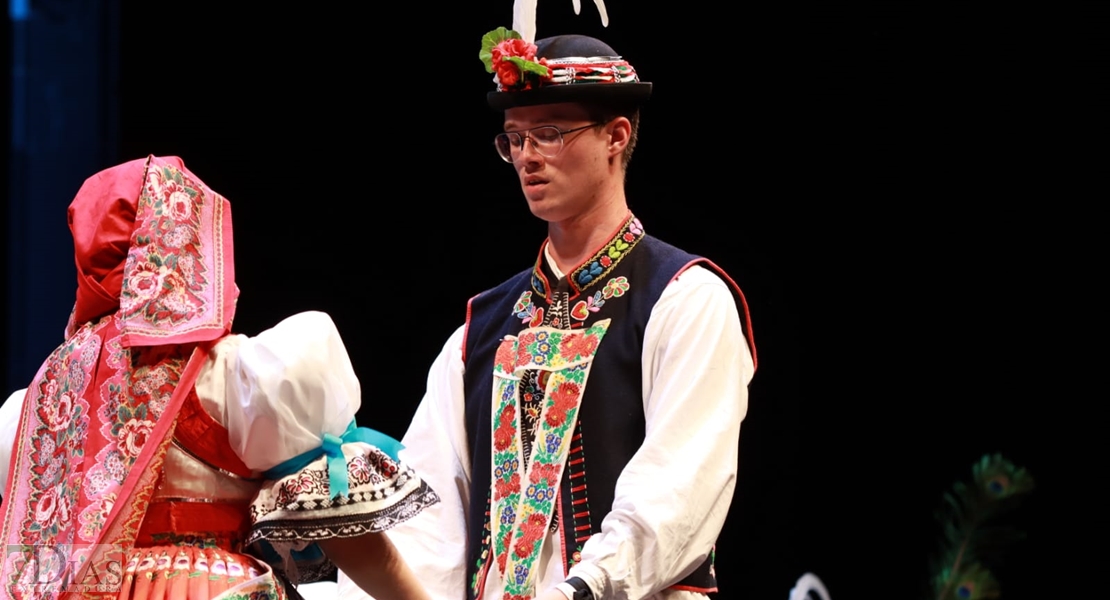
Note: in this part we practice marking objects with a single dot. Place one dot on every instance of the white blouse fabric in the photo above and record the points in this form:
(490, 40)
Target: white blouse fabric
(279, 392)
(671, 499)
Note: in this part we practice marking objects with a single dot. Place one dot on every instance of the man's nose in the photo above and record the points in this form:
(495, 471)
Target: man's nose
(528, 152)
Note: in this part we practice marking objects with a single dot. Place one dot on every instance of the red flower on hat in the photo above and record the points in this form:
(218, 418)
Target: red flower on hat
(507, 72)
(505, 53)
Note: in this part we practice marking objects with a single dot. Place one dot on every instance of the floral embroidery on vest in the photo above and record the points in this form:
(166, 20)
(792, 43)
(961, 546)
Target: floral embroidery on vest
(528, 312)
(616, 287)
(524, 488)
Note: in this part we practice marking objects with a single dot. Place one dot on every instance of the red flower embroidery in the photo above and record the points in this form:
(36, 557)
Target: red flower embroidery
(564, 398)
(380, 462)
(532, 529)
(606, 261)
(133, 436)
(628, 237)
(358, 470)
(545, 472)
(504, 357)
(501, 557)
(502, 437)
(507, 415)
(569, 348)
(523, 356)
(578, 344)
(504, 488)
(590, 345)
(178, 200)
(145, 281)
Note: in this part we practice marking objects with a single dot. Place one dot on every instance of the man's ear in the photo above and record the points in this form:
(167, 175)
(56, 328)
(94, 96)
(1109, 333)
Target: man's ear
(620, 130)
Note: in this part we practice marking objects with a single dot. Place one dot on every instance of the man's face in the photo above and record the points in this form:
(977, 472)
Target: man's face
(565, 186)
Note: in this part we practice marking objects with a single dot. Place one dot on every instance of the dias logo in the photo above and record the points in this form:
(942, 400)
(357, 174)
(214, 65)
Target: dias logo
(51, 571)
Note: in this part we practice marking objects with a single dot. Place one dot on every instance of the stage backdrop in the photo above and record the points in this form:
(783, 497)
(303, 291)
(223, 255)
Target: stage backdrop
(819, 157)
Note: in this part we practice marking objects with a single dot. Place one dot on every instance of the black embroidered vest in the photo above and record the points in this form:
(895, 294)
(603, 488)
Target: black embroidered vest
(621, 283)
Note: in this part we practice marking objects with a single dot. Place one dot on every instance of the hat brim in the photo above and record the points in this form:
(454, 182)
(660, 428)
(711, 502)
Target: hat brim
(593, 93)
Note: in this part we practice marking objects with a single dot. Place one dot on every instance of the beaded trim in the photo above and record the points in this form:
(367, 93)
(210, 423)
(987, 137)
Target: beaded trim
(598, 69)
(594, 269)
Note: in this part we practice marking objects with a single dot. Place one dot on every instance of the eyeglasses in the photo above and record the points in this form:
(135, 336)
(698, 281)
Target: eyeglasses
(547, 140)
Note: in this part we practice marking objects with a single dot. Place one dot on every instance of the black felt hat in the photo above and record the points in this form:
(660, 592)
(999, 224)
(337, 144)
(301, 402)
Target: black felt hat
(580, 69)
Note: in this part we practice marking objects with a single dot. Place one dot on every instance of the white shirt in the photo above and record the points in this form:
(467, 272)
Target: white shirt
(671, 499)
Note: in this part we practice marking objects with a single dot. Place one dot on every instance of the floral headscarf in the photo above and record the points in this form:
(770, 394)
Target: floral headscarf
(149, 237)
(155, 288)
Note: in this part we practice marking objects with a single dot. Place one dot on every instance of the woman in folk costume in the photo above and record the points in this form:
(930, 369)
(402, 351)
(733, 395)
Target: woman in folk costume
(157, 455)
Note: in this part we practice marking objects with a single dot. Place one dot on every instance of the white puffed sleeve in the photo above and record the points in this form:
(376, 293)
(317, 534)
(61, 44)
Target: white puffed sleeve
(289, 398)
(287, 387)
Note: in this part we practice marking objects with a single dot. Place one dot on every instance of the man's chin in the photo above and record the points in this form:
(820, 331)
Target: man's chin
(544, 211)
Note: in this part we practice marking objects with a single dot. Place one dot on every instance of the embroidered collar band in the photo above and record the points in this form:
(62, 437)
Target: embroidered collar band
(595, 268)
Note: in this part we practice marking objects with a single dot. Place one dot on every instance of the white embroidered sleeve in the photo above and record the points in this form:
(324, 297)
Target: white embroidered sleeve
(672, 498)
(290, 395)
(434, 543)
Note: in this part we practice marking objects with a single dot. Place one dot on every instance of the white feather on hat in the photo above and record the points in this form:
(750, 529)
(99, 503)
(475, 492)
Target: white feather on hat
(524, 17)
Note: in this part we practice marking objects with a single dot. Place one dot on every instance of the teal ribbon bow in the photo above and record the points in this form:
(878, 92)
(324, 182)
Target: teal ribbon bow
(332, 447)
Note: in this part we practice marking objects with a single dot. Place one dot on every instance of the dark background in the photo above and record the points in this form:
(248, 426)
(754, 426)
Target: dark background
(863, 171)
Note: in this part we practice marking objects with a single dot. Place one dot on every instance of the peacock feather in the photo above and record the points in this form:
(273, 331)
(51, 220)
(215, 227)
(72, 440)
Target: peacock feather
(975, 533)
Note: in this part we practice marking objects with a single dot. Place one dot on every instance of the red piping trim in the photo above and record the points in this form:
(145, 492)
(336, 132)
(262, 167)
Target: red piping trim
(562, 536)
(466, 328)
(690, 588)
(743, 301)
(539, 272)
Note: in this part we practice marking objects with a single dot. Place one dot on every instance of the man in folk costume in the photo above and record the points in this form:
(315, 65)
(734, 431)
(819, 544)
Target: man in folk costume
(157, 455)
(582, 426)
